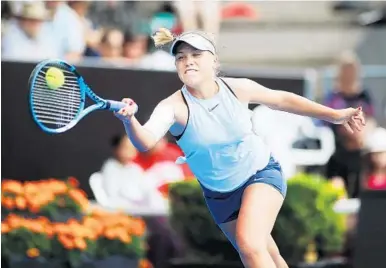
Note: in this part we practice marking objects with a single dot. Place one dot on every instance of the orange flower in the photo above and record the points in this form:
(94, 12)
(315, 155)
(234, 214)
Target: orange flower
(35, 227)
(97, 212)
(144, 263)
(110, 234)
(33, 252)
(62, 229)
(58, 187)
(66, 241)
(80, 243)
(5, 228)
(49, 231)
(21, 203)
(31, 187)
(12, 186)
(138, 227)
(34, 206)
(125, 238)
(43, 220)
(14, 221)
(73, 182)
(79, 197)
(8, 203)
(91, 235)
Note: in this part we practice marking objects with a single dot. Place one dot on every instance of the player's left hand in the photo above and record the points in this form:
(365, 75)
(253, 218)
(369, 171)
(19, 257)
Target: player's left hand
(352, 119)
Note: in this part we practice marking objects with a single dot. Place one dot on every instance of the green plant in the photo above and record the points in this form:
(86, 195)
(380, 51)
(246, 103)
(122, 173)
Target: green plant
(25, 238)
(192, 220)
(306, 216)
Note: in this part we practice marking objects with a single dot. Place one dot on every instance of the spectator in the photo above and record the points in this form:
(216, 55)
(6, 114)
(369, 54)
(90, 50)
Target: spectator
(191, 12)
(164, 151)
(67, 29)
(135, 47)
(165, 17)
(92, 35)
(26, 37)
(125, 182)
(156, 60)
(375, 160)
(111, 45)
(162, 240)
(6, 14)
(345, 163)
(114, 14)
(112, 170)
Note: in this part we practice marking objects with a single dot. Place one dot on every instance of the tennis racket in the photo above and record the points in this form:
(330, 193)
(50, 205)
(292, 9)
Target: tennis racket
(58, 97)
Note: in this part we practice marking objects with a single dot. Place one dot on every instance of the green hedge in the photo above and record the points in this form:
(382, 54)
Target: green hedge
(306, 216)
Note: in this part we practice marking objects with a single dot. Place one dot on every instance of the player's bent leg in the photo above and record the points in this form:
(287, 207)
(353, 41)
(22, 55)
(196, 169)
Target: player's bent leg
(229, 229)
(275, 254)
(260, 206)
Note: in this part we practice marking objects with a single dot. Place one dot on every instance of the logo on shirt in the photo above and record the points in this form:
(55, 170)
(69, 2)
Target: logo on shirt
(211, 109)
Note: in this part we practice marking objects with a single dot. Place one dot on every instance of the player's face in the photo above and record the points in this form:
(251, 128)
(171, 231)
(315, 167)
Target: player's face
(195, 67)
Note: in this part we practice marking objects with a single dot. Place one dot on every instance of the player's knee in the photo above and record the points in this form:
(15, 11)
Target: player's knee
(274, 252)
(276, 256)
(251, 246)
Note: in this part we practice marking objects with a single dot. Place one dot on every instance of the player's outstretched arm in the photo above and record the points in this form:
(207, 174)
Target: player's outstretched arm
(252, 92)
(145, 137)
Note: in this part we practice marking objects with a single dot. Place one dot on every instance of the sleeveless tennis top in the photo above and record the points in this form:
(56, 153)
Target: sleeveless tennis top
(219, 143)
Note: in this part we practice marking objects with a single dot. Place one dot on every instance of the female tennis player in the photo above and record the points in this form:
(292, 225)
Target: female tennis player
(241, 181)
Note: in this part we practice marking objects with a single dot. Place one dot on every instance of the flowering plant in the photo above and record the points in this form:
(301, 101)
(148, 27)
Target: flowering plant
(118, 234)
(96, 236)
(30, 230)
(46, 197)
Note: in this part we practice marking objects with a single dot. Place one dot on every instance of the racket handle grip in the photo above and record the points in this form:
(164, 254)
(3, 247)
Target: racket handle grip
(115, 105)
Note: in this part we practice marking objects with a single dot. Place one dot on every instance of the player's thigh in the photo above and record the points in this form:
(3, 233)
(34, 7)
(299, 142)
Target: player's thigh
(261, 203)
(229, 230)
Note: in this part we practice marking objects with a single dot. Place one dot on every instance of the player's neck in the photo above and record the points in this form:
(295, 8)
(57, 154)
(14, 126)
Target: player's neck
(204, 91)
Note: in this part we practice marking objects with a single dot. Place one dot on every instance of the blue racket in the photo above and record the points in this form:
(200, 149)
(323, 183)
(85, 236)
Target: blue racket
(58, 97)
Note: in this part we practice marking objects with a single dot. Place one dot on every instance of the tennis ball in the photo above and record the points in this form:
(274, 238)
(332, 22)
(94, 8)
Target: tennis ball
(54, 78)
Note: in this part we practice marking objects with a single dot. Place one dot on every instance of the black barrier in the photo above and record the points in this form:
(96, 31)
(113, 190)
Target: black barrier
(370, 242)
(29, 154)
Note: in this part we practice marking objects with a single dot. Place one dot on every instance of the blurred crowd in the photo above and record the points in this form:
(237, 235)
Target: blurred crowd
(113, 31)
(359, 161)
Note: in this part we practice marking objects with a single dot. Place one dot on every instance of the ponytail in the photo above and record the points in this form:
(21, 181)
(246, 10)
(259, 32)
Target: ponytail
(162, 37)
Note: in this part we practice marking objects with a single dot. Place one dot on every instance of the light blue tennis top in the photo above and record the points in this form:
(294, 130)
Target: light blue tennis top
(219, 143)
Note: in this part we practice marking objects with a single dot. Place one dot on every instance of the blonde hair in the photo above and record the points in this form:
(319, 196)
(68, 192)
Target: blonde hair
(348, 58)
(163, 37)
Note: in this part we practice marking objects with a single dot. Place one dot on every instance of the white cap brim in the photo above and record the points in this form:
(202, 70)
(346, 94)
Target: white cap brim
(195, 40)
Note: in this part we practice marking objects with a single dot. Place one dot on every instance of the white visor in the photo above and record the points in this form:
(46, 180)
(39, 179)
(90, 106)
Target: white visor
(195, 40)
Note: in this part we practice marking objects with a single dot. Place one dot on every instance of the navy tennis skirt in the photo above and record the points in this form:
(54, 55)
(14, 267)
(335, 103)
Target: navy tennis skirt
(225, 207)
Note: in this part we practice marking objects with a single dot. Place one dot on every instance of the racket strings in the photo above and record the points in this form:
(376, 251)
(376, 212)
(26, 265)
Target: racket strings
(56, 107)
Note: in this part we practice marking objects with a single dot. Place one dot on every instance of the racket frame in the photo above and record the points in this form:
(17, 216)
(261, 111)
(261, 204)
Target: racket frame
(100, 104)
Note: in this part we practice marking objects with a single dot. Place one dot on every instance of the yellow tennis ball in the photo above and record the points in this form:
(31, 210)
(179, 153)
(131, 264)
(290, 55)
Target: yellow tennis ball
(54, 78)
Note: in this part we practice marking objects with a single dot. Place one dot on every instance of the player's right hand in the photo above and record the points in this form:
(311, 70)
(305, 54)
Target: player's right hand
(127, 112)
